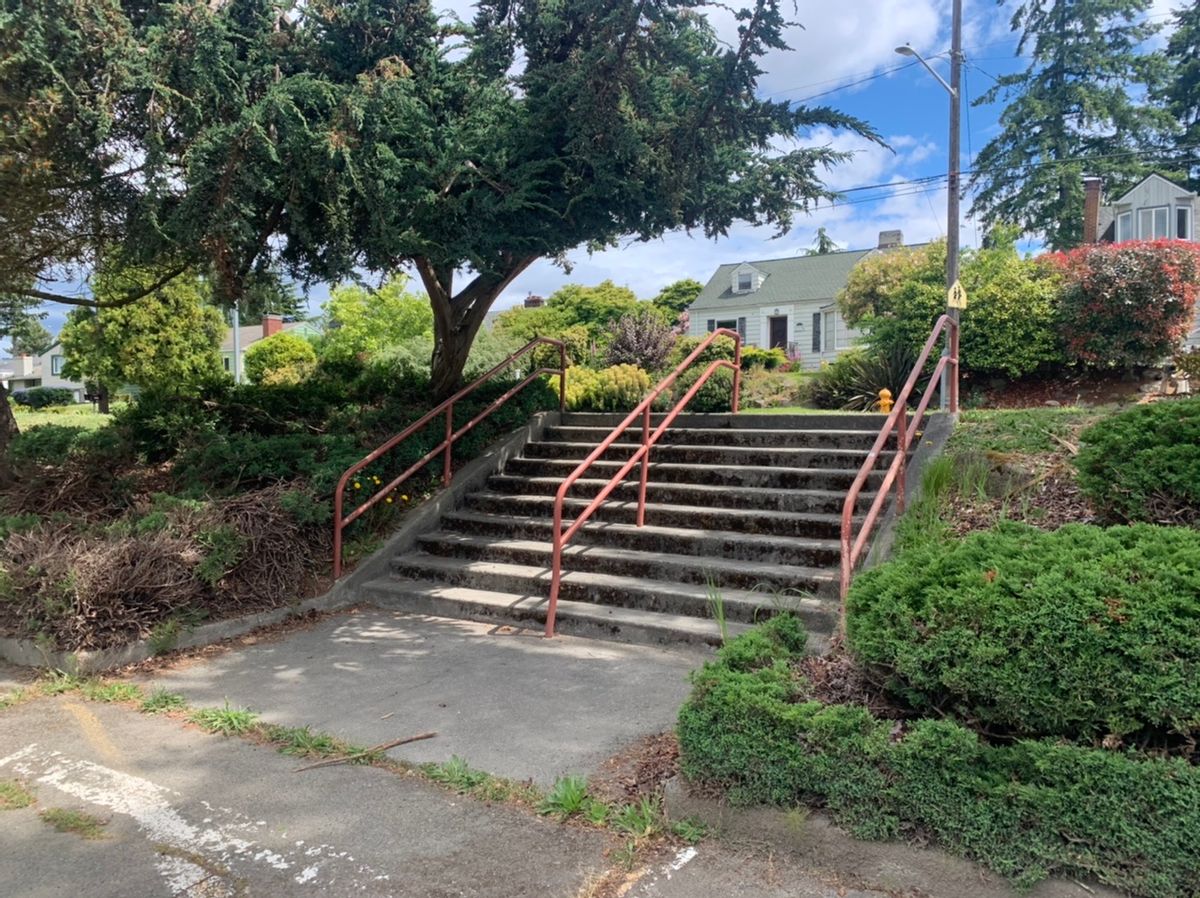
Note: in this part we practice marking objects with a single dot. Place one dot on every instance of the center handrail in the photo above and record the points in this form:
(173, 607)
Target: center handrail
(446, 446)
(649, 439)
(898, 420)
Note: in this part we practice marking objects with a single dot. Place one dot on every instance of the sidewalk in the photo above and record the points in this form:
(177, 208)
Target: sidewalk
(511, 703)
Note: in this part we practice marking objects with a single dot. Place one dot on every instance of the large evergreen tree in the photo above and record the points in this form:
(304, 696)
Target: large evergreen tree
(1077, 109)
(1181, 90)
(328, 136)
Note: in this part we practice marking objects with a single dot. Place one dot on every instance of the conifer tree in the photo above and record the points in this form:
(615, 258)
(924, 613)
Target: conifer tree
(1181, 91)
(1077, 109)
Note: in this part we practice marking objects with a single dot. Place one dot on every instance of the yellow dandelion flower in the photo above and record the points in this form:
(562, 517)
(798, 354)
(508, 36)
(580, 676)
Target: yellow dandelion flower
(388, 500)
(357, 485)
(404, 498)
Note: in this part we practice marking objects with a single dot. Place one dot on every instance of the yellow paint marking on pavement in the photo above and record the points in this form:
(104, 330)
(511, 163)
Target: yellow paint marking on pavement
(93, 732)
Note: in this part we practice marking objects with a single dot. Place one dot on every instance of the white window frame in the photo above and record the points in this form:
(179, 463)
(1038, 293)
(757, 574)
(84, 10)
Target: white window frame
(1124, 227)
(829, 335)
(749, 276)
(1189, 231)
(1152, 212)
(56, 364)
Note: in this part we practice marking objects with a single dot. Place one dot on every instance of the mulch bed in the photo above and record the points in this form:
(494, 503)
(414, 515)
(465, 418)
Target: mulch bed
(638, 770)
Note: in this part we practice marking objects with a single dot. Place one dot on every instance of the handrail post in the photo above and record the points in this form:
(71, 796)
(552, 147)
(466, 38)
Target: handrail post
(562, 378)
(737, 373)
(555, 569)
(337, 532)
(446, 473)
(641, 509)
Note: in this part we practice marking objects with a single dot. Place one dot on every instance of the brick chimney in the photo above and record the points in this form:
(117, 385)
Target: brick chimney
(1091, 209)
(272, 324)
(891, 239)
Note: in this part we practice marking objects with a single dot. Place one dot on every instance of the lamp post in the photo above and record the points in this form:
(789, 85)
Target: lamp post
(954, 88)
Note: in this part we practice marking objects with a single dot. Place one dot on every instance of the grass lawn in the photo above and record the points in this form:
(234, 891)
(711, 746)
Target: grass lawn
(82, 415)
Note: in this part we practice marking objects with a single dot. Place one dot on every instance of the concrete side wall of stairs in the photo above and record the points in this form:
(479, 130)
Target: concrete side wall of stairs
(744, 507)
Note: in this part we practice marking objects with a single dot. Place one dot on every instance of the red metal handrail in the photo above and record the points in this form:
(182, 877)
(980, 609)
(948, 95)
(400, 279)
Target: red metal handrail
(852, 547)
(561, 537)
(446, 446)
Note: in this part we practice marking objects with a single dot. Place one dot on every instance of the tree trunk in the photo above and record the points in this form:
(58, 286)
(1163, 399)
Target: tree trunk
(457, 319)
(102, 399)
(8, 430)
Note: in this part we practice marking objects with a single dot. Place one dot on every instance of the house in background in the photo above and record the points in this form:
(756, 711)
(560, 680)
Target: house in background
(785, 303)
(1154, 209)
(251, 334)
(29, 371)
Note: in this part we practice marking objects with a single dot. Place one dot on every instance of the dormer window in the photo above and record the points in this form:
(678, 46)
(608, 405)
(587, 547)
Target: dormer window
(745, 282)
(1152, 223)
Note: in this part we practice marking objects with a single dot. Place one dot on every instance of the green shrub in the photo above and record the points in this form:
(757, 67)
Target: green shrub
(721, 348)
(1028, 810)
(770, 359)
(44, 444)
(762, 388)
(43, 397)
(1188, 364)
(1078, 633)
(1144, 464)
(615, 389)
(854, 379)
(229, 463)
(282, 358)
(715, 396)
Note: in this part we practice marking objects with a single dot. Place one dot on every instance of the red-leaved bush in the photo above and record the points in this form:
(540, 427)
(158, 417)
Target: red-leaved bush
(1127, 303)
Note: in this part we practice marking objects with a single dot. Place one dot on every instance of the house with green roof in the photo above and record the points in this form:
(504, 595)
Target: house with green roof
(786, 303)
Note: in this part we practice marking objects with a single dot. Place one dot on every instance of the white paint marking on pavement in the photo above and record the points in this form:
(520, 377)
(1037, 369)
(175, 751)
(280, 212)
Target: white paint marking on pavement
(680, 859)
(150, 806)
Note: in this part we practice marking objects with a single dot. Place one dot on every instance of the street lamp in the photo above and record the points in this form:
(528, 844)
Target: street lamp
(954, 89)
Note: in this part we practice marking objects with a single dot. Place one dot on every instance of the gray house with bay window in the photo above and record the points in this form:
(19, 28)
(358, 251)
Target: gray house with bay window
(786, 303)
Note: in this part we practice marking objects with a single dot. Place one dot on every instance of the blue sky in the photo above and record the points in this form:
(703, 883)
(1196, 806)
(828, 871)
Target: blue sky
(840, 44)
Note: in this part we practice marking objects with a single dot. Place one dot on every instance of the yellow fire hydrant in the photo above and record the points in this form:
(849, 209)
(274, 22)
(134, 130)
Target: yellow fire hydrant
(885, 401)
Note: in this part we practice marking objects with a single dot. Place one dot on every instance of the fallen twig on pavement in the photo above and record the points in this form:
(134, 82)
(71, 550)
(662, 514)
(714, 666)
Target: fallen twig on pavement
(365, 753)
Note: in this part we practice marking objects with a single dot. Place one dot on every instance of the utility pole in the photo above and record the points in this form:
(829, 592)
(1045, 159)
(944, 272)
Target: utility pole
(954, 198)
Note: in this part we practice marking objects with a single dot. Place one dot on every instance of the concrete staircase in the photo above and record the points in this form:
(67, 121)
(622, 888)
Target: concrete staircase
(745, 506)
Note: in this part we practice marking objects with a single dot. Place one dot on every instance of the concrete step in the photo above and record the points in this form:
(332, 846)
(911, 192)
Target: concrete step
(803, 501)
(844, 438)
(707, 517)
(694, 541)
(573, 618)
(846, 459)
(815, 421)
(757, 476)
(659, 595)
(662, 564)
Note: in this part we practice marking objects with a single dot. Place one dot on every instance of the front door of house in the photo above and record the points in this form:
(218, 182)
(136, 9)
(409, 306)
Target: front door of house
(778, 330)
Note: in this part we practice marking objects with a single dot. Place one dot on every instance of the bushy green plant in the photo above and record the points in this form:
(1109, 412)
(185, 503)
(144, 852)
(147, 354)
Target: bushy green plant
(770, 359)
(44, 397)
(1144, 464)
(1009, 326)
(854, 379)
(1077, 633)
(1029, 809)
(229, 463)
(282, 358)
(44, 444)
(721, 348)
(716, 394)
(615, 389)
(1188, 364)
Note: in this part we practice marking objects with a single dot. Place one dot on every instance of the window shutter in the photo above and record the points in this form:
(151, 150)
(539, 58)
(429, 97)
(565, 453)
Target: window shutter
(816, 332)
(712, 325)
(742, 329)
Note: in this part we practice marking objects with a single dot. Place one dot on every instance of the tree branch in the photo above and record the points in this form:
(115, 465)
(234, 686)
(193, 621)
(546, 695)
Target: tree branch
(125, 300)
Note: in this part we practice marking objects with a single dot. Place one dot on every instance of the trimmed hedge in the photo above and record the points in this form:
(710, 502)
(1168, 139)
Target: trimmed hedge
(44, 397)
(1079, 632)
(1027, 810)
(1144, 464)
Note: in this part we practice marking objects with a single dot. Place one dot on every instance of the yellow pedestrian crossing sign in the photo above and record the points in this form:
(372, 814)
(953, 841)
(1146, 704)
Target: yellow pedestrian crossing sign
(956, 296)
